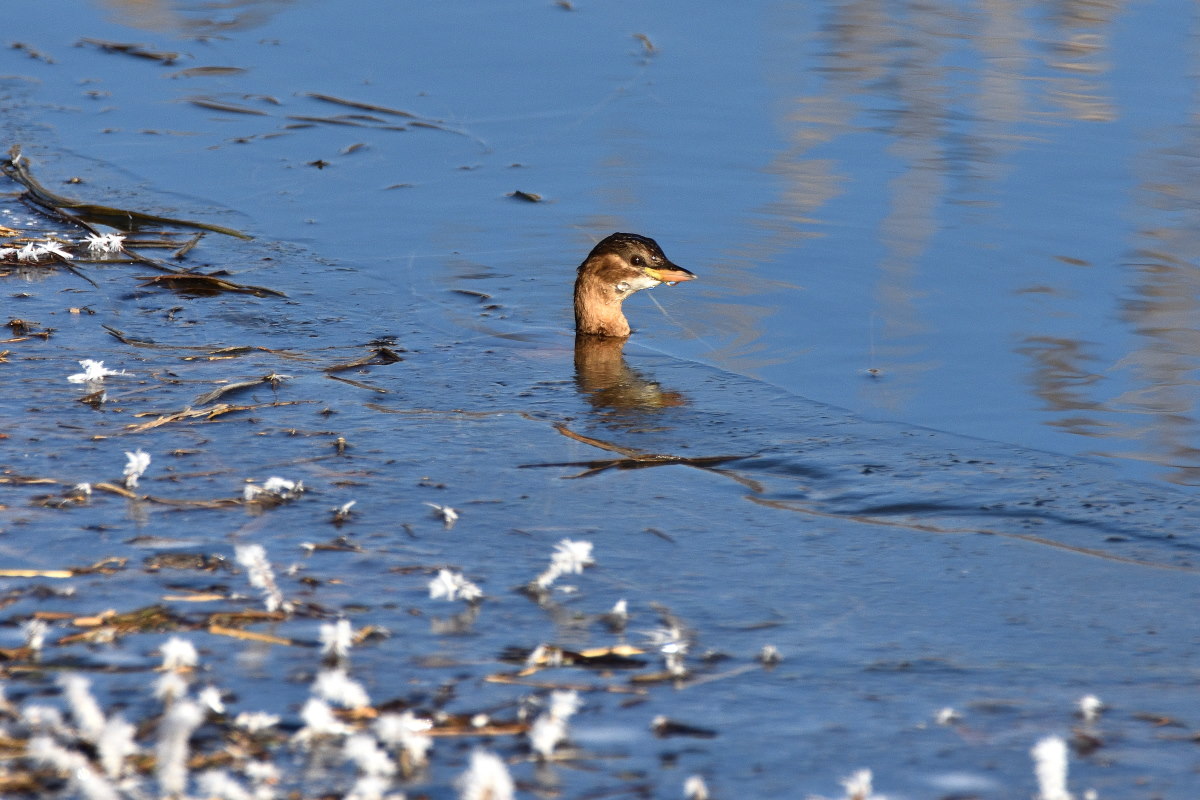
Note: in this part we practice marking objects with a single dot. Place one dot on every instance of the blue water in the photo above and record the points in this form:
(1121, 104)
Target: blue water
(945, 322)
(972, 202)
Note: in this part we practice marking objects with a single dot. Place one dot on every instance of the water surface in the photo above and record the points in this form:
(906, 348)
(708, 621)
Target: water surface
(944, 330)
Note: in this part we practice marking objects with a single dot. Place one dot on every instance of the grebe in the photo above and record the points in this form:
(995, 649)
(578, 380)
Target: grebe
(618, 266)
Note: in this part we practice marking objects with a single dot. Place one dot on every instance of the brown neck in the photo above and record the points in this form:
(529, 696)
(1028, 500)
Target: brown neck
(598, 310)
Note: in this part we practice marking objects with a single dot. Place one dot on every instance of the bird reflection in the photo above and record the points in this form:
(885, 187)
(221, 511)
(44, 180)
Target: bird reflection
(614, 388)
(619, 266)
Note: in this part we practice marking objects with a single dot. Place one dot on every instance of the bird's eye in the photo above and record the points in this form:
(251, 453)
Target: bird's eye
(637, 261)
(622, 287)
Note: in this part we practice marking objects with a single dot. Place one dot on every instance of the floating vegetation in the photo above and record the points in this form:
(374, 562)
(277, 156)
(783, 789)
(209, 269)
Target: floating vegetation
(273, 380)
(528, 197)
(201, 353)
(273, 492)
(351, 120)
(84, 214)
(32, 52)
(198, 72)
(328, 98)
(635, 459)
(114, 248)
(648, 47)
(379, 355)
(220, 105)
(136, 50)
(402, 120)
(209, 414)
(200, 285)
(446, 514)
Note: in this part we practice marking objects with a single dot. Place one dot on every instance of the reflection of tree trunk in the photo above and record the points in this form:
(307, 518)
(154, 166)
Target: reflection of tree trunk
(602, 376)
(1059, 375)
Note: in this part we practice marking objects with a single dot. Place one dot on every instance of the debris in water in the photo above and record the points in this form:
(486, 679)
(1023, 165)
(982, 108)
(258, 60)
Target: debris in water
(528, 197)
(138, 50)
(448, 515)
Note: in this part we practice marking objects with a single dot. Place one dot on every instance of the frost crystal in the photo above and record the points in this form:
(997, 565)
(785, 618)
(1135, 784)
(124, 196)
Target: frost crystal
(93, 371)
(452, 585)
(136, 465)
(486, 778)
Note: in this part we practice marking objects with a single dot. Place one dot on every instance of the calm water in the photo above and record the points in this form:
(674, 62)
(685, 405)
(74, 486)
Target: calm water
(945, 322)
(987, 204)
